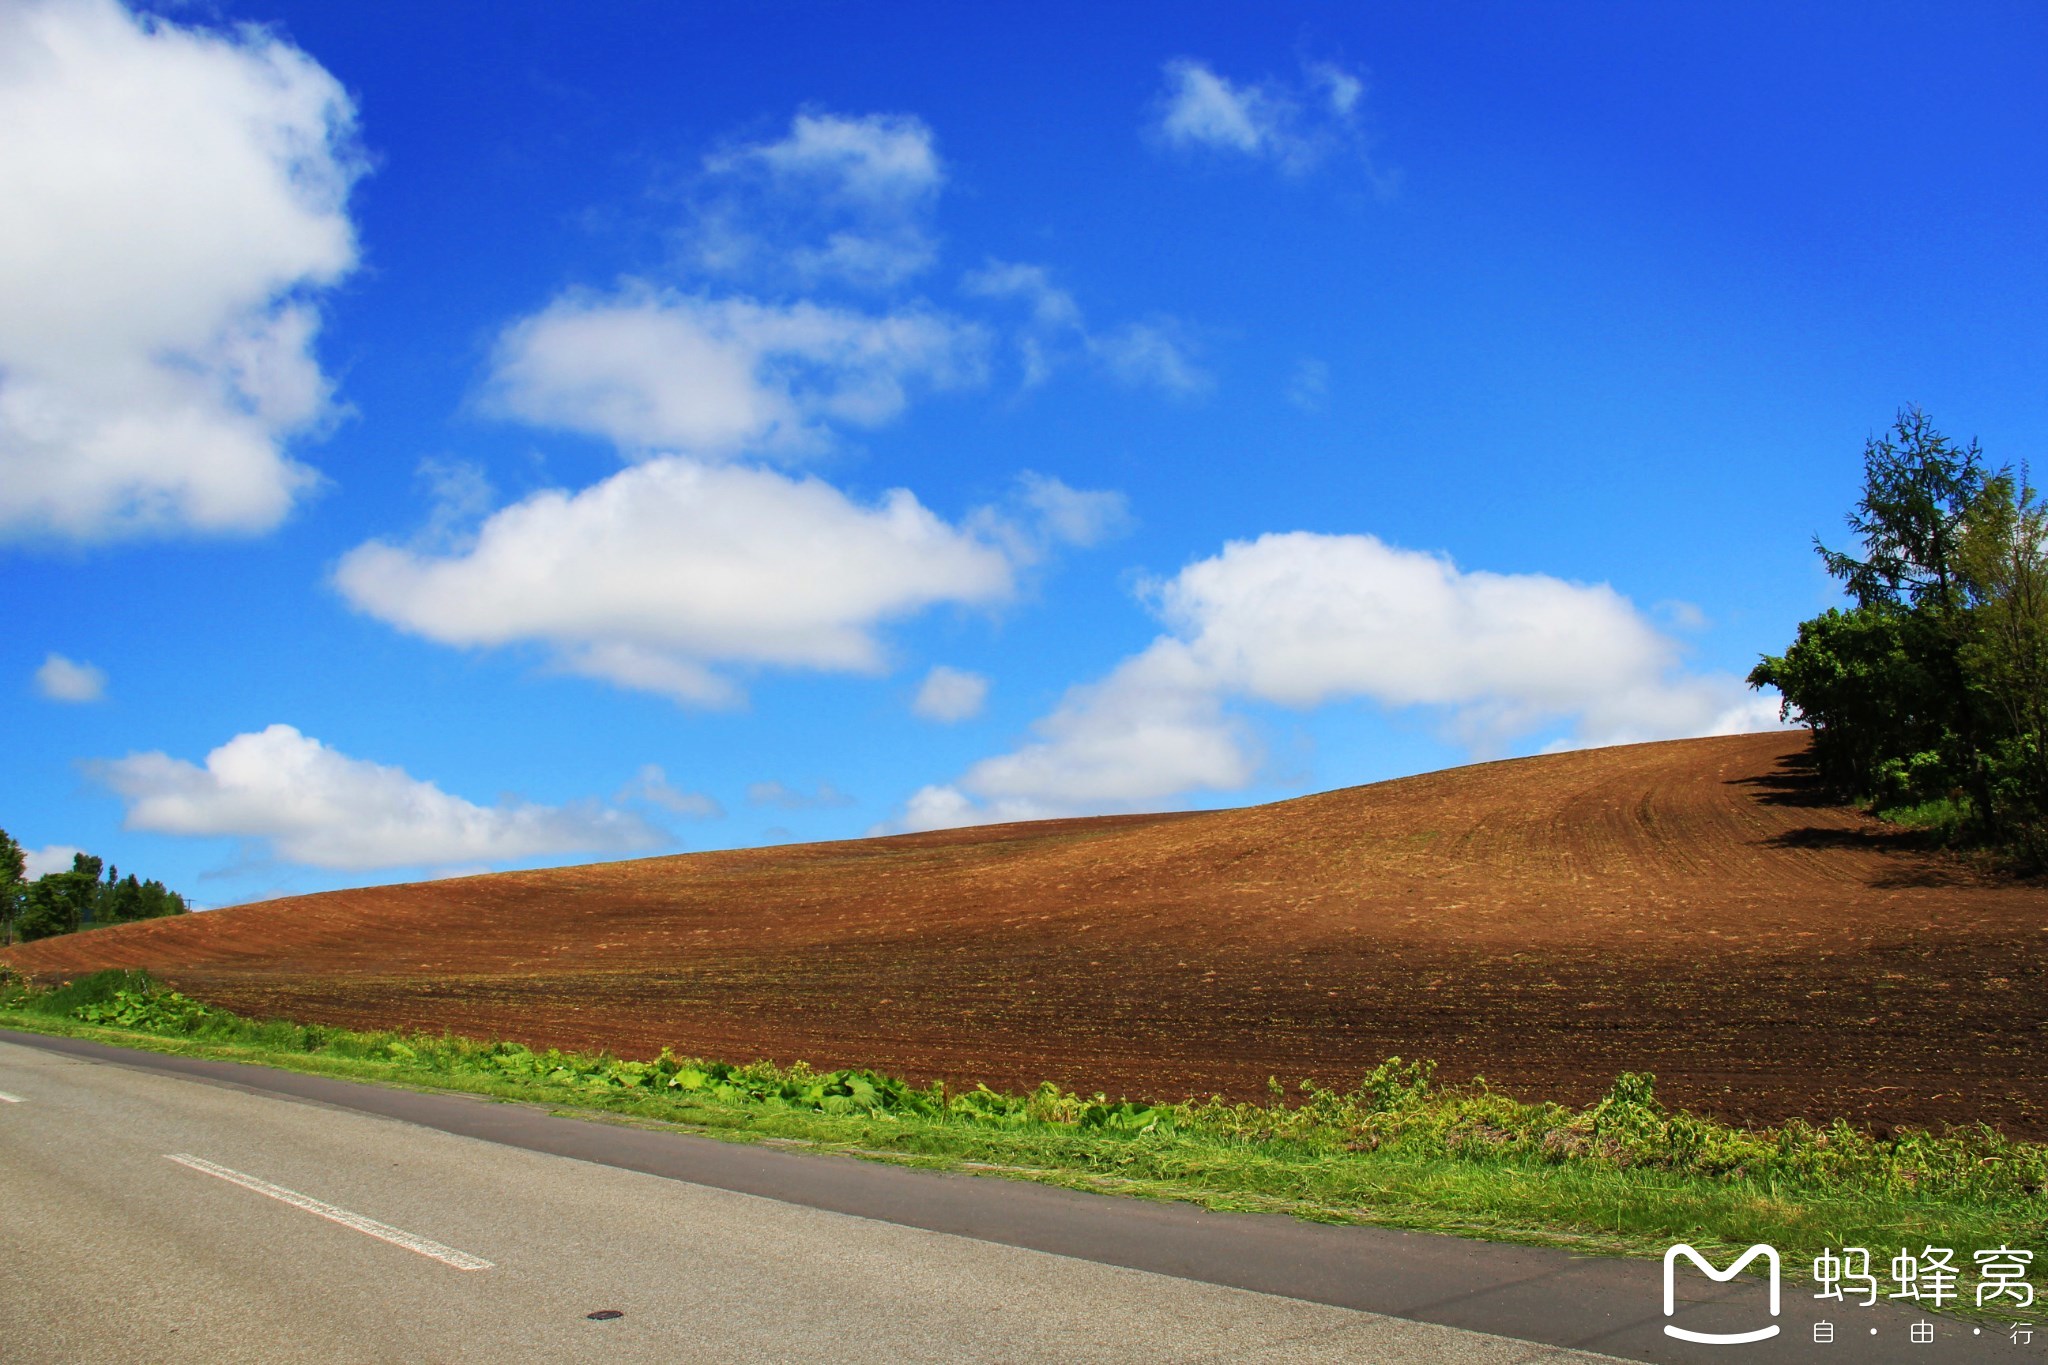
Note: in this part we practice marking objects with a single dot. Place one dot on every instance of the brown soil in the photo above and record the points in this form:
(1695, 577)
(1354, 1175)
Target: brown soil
(1691, 908)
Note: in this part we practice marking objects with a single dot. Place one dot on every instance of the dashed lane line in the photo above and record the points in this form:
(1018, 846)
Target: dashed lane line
(369, 1227)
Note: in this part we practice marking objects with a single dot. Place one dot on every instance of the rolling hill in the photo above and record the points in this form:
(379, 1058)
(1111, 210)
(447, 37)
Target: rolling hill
(1690, 908)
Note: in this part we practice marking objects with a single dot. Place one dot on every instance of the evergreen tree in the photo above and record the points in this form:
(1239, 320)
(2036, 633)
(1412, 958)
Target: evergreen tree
(1931, 691)
(1918, 489)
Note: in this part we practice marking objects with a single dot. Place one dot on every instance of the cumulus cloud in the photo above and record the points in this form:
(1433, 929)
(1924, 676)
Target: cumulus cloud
(1296, 125)
(651, 785)
(314, 805)
(950, 695)
(175, 201)
(1154, 727)
(663, 571)
(703, 558)
(790, 798)
(1303, 620)
(41, 862)
(1155, 353)
(62, 679)
(655, 371)
(837, 199)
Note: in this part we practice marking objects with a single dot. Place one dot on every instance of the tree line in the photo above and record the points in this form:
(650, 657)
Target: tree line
(64, 902)
(1928, 695)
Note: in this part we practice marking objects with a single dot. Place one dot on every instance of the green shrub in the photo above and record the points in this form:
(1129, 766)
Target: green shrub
(1914, 780)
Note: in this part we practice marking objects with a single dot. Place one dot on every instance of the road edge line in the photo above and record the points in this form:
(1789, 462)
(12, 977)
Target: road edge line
(369, 1227)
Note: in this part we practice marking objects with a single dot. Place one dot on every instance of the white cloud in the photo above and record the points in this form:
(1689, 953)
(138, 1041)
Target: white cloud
(877, 159)
(651, 784)
(1304, 620)
(949, 695)
(174, 197)
(1155, 353)
(1341, 89)
(1155, 726)
(1301, 618)
(1074, 515)
(316, 806)
(62, 679)
(1684, 616)
(41, 862)
(1204, 109)
(837, 199)
(660, 372)
(668, 568)
(699, 561)
(1051, 306)
(789, 798)
(650, 669)
(1296, 125)
(460, 495)
(1041, 513)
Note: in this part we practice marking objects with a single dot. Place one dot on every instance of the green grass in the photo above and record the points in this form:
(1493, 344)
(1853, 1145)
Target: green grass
(1944, 820)
(1625, 1175)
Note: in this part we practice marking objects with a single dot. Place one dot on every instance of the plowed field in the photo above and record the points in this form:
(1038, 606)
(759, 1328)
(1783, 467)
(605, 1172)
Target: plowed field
(1688, 908)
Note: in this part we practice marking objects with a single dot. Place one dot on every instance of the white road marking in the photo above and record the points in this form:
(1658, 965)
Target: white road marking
(461, 1260)
(6, 1098)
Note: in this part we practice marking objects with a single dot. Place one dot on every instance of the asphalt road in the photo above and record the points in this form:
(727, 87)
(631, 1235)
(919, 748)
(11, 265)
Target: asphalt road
(156, 1208)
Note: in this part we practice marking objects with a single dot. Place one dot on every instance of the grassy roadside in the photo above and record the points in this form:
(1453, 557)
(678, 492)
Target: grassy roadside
(1623, 1176)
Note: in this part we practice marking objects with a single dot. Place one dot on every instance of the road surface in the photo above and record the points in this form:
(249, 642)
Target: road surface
(158, 1208)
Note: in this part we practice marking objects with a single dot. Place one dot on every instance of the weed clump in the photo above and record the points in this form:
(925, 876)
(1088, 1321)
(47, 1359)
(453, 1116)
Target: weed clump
(64, 1001)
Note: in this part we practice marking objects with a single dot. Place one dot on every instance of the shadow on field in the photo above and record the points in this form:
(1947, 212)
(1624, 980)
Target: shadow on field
(1914, 856)
(1921, 860)
(1793, 781)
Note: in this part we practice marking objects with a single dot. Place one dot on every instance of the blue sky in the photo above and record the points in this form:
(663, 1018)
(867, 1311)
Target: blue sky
(437, 438)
